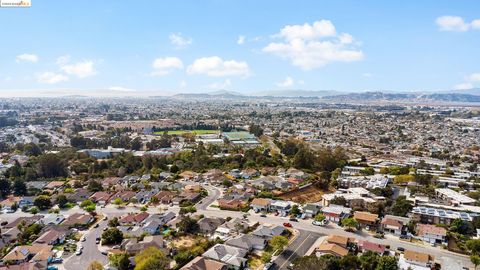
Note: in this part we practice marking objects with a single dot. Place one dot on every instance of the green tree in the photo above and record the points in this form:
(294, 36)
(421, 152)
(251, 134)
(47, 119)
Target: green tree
(95, 265)
(369, 260)
(387, 263)
(461, 227)
(474, 246)
(113, 222)
(401, 207)
(188, 225)
(320, 218)
(475, 259)
(19, 187)
(278, 242)
(50, 166)
(295, 211)
(120, 261)
(43, 202)
(350, 224)
(151, 258)
(404, 179)
(112, 236)
(62, 200)
(5, 187)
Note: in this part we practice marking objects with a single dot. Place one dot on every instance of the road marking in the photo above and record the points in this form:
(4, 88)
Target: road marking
(301, 244)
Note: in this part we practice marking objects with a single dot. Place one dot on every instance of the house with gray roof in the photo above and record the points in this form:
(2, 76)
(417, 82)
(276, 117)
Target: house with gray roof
(232, 256)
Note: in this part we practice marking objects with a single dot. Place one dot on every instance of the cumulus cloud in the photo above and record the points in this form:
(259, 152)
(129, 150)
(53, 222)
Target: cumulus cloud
(26, 57)
(51, 77)
(241, 40)
(81, 69)
(314, 45)
(120, 89)
(475, 77)
(164, 66)
(456, 24)
(286, 83)
(179, 41)
(221, 85)
(215, 66)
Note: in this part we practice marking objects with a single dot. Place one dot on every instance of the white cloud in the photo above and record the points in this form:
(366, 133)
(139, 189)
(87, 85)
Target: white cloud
(221, 85)
(475, 77)
(312, 46)
(241, 40)
(463, 86)
(319, 29)
(451, 23)
(456, 24)
(164, 66)
(27, 58)
(81, 69)
(215, 66)
(475, 24)
(51, 78)
(120, 89)
(286, 83)
(179, 41)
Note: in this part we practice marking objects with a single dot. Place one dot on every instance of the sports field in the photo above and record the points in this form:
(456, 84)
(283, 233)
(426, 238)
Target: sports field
(180, 132)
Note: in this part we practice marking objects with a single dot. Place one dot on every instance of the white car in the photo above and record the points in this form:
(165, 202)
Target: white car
(78, 252)
(320, 223)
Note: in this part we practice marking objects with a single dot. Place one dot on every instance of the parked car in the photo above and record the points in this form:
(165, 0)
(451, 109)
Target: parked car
(78, 252)
(56, 260)
(97, 240)
(104, 252)
(52, 267)
(96, 225)
(401, 249)
(293, 219)
(286, 224)
(320, 223)
(379, 235)
(267, 266)
(263, 215)
(4, 223)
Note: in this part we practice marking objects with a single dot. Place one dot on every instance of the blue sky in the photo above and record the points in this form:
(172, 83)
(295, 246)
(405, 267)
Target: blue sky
(163, 47)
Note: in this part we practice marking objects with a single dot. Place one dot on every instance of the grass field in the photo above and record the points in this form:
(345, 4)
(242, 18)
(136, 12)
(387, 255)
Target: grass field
(180, 132)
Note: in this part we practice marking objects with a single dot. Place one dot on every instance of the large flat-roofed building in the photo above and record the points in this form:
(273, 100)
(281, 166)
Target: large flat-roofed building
(453, 197)
(439, 216)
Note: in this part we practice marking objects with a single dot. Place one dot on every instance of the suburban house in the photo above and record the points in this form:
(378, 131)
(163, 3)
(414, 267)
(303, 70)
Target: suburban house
(28, 221)
(101, 197)
(366, 219)
(332, 249)
(201, 263)
(338, 240)
(415, 260)
(33, 253)
(80, 195)
(267, 232)
(282, 207)
(394, 224)
(232, 256)
(335, 213)
(52, 219)
(207, 226)
(365, 246)
(233, 204)
(133, 218)
(431, 233)
(260, 204)
(78, 220)
(311, 210)
(133, 246)
(248, 242)
(52, 236)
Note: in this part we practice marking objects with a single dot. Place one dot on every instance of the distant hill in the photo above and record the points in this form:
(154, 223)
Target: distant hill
(212, 95)
(406, 97)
